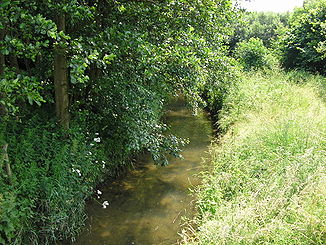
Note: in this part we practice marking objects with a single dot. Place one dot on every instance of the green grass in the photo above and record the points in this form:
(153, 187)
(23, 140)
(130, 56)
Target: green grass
(268, 179)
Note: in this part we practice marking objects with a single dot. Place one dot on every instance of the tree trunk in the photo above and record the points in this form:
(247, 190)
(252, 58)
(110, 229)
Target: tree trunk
(2, 63)
(61, 78)
(3, 110)
(5, 159)
(13, 62)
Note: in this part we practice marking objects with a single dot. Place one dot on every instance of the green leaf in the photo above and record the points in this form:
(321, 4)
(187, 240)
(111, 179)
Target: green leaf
(52, 34)
(108, 58)
(30, 100)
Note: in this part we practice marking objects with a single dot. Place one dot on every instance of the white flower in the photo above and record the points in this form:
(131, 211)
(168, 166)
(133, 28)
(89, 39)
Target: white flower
(76, 171)
(98, 140)
(105, 203)
(96, 133)
(91, 144)
(103, 166)
(99, 192)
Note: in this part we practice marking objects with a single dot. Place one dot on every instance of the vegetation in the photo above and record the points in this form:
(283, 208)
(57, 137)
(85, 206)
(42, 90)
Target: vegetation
(262, 25)
(253, 55)
(303, 41)
(83, 86)
(267, 180)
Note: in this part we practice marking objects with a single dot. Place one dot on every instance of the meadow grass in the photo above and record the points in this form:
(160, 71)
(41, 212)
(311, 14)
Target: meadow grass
(267, 183)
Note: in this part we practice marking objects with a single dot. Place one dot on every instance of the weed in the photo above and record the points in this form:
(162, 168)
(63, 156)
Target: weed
(268, 180)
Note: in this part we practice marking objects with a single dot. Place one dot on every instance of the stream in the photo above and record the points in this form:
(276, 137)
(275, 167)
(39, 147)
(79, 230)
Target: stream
(147, 206)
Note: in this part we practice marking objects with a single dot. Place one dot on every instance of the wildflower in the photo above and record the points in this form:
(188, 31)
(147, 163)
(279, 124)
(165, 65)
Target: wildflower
(91, 144)
(98, 139)
(105, 203)
(76, 171)
(99, 193)
(96, 133)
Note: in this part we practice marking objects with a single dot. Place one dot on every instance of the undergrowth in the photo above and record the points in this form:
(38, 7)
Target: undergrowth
(267, 183)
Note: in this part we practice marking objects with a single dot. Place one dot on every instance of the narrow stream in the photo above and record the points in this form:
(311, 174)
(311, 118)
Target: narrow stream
(146, 206)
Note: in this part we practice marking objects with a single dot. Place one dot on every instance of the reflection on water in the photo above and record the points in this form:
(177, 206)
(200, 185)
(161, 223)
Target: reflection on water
(145, 207)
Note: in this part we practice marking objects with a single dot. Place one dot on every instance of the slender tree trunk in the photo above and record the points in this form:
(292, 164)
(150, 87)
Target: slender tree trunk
(13, 62)
(3, 110)
(5, 159)
(61, 79)
(2, 63)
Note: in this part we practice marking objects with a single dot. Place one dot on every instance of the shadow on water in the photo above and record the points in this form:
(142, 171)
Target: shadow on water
(146, 206)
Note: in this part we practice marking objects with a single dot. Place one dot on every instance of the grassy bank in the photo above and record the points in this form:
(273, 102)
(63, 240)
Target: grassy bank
(268, 180)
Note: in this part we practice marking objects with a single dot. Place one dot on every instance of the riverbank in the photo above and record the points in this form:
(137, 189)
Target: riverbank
(268, 179)
(145, 206)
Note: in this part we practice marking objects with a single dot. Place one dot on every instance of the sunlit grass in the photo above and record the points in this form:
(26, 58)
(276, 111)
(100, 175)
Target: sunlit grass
(268, 184)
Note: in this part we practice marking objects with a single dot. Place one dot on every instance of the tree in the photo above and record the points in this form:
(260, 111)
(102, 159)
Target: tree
(108, 67)
(61, 76)
(303, 43)
(262, 25)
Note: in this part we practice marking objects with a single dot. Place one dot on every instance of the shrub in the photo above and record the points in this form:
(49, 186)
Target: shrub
(253, 55)
(54, 173)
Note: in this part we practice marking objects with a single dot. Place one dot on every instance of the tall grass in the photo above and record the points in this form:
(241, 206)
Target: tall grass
(268, 178)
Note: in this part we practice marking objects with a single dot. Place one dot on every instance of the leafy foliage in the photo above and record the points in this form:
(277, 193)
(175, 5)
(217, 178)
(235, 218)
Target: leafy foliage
(303, 42)
(262, 25)
(124, 61)
(253, 55)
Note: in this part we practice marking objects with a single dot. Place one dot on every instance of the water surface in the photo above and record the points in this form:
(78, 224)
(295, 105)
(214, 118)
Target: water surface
(146, 206)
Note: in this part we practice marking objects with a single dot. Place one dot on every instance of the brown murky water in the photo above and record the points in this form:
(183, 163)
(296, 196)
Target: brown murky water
(146, 206)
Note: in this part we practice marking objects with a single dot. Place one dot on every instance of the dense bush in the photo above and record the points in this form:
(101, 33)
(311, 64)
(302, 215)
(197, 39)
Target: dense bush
(54, 173)
(303, 42)
(253, 55)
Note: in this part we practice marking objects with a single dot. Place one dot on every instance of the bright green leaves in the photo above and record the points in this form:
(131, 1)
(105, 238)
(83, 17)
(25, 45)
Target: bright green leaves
(19, 88)
(109, 58)
(252, 54)
(303, 43)
(78, 67)
(26, 33)
(93, 55)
